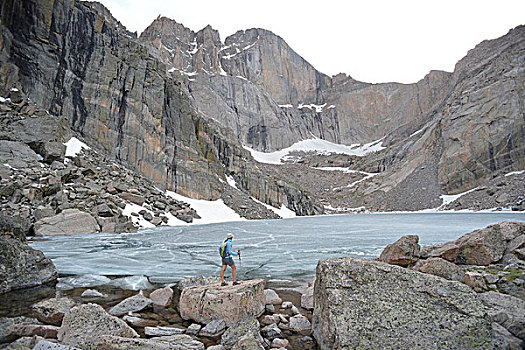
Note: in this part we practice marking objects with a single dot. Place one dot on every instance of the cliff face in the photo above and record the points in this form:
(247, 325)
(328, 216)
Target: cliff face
(177, 106)
(74, 59)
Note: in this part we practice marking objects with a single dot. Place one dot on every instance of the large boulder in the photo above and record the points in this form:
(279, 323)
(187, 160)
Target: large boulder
(68, 222)
(17, 226)
(84, 325)
(480, 247)
(440, 267)
(162, 297)
(52, 310)
(403, 252)
(197, 281)
(18, 155)
(506, 310)
(135, 303)
(230, 303)
(22, 266)
(240, 329)
(369, 304)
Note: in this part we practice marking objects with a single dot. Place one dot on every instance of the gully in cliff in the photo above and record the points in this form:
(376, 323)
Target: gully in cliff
(227, 260)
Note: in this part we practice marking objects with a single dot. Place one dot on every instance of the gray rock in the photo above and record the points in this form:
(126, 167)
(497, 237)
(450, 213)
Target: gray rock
(104, 210)
(307, 299)
(193, 329)
(43, 212)
(47, 345)
(17, 226)
(84, 325)
(133, 198)
(139, 322)
(269, 308)
(7, 322)
(186, 218)
(248, 342)
(135, 303)
(233, 335)
(272, 297)
(408, 309)
(52, 310)
(18, 155)
(23, 266)
(213, 329)
(271, 331)
(300, 324)
(51, 151)
(506, 310)
(162, 297)
(513, 342)
(174, 342)
(70, 221)
(160, 331)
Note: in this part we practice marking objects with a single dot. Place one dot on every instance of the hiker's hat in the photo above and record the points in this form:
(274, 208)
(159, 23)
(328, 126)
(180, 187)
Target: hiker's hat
(229, 235)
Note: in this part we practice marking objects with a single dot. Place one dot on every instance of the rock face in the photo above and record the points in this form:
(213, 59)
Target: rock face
(231, 303)
(23, 266)
(369, 304)
(84, 325)
(403, 252)
(70, 221)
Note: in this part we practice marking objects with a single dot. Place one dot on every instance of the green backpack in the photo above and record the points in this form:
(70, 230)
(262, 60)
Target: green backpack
(222, 250)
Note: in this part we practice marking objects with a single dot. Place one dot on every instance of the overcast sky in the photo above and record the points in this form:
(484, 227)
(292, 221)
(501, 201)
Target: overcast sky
(373, 41)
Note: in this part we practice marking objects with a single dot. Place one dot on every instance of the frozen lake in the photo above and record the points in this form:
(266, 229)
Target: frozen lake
(285, 249)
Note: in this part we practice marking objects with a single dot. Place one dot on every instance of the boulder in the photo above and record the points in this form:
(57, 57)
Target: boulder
(68, 222)
(248, 342)
(133, 198)
(193, 329)
(300, 324)
(51, 151)
(160, 331)
(162, 297)
(475, 280)
(271, 331)
(135, 303)
(280, 343)
(369, 304)
(197, 281)
(31, 329)
(174, 342)
(506, 310)
(18, 155)
(272, 297)
(84, 325)
(248, 327)
(47, 345)
(52, 310)
(7, 323)
(405, 251)
(514, 343)
(17, 226)
(213, 329)
(481, 247)
(139, 322)
(307, 299)
(440, 267)
(23, 266)
(230, 303)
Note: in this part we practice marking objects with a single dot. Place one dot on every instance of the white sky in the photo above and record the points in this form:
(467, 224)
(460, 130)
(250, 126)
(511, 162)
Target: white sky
(371, 40)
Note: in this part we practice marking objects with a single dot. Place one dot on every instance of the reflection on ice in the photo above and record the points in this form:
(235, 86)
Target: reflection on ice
(132, 283)
(70, 282)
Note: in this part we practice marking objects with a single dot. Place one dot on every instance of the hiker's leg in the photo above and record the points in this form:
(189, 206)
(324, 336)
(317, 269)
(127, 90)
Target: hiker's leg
(222, 273)
(234, 269)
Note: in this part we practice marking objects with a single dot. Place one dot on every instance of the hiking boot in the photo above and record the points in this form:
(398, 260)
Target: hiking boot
(223, 284)
(236, 283)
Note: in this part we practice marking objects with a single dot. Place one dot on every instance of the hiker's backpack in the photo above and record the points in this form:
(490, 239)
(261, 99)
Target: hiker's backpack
(222, 250)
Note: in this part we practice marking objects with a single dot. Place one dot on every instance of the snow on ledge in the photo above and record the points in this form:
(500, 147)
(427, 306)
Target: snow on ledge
(449, 198)
(74, 146)
(519, 172)
(209, 211)
(319, 146)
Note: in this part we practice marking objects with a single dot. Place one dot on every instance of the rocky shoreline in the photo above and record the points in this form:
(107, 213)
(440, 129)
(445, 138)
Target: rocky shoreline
(464, 294)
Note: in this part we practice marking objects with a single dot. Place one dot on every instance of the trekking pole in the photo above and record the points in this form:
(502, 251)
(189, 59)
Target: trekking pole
(239, 252)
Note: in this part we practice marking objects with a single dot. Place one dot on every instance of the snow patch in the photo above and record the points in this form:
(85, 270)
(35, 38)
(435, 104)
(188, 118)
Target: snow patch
(209, 211)
(449, 198)
(515, 173)
(283, 212)
(241, 77)
(137, 220)
(74, 146)
(417, 132)
(286, 106)
(14, 89)
(316, 145)
(4, 100)
(318, 108)
(231, 181)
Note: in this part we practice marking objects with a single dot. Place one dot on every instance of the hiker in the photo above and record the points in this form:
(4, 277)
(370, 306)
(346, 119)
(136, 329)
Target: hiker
(227, 260)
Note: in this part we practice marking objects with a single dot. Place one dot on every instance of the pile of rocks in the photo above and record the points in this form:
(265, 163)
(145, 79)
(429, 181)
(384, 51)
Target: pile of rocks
(491, 261)
(245, 316)
(53, 194)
